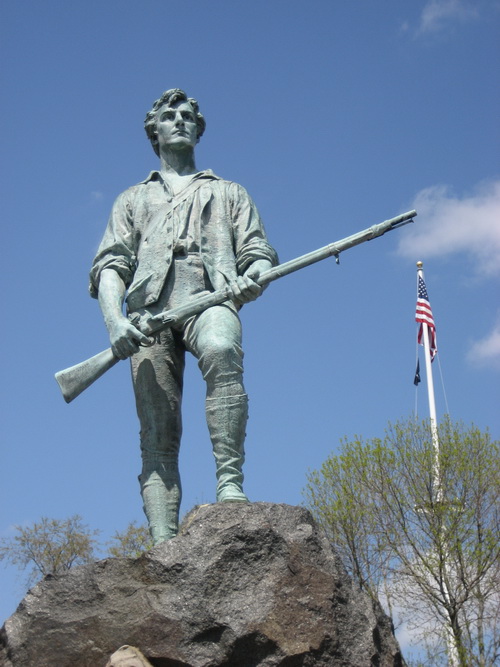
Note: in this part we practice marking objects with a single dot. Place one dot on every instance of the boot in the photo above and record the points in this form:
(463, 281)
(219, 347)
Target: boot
(161, 495)
(226, 419)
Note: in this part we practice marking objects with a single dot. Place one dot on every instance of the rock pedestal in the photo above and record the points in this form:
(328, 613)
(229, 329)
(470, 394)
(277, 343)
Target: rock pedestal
(243, 585)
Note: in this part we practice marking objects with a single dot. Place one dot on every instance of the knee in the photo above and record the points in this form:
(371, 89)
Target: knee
(221, 347)
(221, 356)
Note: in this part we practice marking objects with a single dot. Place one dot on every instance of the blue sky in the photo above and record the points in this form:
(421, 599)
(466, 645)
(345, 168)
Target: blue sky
(334, 116)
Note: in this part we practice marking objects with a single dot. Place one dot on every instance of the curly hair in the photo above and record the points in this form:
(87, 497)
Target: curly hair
(170, 97)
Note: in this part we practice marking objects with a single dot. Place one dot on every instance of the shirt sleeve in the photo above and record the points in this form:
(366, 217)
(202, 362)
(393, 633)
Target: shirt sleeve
(250, 239)
(117, 249)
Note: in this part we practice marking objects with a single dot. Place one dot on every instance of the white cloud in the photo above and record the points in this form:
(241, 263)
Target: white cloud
(486, 352)
(95, 195)
(437, 15)
(447, 225)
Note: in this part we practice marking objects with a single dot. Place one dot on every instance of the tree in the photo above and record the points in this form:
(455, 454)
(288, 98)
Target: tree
(427, 545)
(51, 546)
(130, 543)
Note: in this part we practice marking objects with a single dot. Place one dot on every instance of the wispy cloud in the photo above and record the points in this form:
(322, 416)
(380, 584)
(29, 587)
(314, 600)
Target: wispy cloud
(439, 15)
(486, 352)
(447, 224)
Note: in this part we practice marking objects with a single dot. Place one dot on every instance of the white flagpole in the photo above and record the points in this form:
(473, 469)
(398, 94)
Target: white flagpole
(430, 393)
(436, 482)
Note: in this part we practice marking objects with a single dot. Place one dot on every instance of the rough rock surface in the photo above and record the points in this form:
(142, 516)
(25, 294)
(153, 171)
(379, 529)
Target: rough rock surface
(243, 585)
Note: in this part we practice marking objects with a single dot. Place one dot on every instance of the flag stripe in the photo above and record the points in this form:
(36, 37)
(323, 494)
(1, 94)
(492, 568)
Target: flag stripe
(423, 314)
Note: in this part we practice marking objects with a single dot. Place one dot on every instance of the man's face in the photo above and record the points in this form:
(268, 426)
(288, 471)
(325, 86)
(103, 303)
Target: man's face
(176, 126)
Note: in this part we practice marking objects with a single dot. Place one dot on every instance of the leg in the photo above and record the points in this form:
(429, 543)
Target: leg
(157, 374)
(214, 337)
(226, 420)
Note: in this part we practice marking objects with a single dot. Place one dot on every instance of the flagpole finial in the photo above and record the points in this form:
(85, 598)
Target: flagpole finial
(419, 265)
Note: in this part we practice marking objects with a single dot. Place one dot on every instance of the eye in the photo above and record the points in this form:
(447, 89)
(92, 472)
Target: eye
(167, 115)
(187, 115)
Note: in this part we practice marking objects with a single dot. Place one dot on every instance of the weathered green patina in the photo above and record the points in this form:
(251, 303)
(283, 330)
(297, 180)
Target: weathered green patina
(185, 249)
(180, 234)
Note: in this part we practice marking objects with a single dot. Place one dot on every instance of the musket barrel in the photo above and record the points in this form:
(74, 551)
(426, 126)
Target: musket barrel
(76, 379)
(195, 306)
(334, 249)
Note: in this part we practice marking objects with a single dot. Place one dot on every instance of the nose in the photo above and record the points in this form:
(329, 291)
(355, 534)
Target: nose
(179, 120)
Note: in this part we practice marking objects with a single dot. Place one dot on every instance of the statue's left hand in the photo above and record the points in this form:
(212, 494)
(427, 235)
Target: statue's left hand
(245, 288)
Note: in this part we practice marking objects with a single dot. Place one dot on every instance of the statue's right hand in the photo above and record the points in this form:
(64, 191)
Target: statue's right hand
(126, 338)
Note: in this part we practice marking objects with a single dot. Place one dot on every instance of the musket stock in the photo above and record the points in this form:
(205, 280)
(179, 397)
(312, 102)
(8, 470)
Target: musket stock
(73, 381)
(76, 379)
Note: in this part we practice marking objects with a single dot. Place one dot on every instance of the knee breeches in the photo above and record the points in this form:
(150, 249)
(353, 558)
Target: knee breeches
(214, 338)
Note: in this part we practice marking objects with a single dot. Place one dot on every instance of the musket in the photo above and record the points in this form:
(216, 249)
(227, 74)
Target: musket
(74, 380)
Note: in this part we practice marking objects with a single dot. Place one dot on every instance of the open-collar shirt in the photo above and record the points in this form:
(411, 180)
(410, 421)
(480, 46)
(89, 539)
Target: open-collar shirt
(149, 225)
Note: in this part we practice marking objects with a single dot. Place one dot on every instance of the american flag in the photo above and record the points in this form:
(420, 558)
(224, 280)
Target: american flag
(424, 314)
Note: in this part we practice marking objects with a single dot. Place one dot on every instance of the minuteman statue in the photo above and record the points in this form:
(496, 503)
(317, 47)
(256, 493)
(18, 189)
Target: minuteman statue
(178, 234)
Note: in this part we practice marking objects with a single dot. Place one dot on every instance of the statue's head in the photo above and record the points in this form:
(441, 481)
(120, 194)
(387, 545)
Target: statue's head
(169, 98)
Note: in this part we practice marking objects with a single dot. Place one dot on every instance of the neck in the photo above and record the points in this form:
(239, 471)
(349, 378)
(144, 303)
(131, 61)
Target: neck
(180, 163)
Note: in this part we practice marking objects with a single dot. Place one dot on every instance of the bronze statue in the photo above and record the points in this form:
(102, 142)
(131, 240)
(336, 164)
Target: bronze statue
(179, 234)
(185, 249)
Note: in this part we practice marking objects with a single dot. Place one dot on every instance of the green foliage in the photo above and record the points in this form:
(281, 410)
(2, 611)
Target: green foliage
(420, 530)
(130, 543)
(51, 546)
